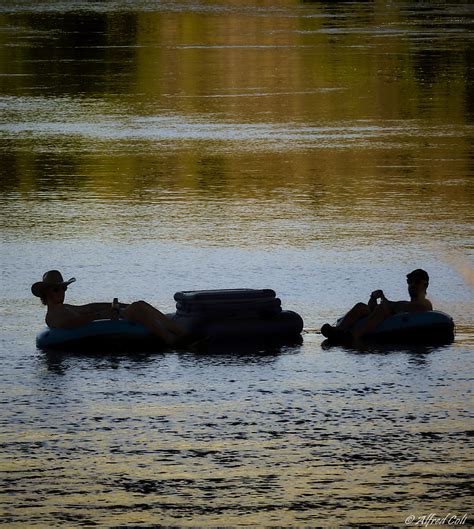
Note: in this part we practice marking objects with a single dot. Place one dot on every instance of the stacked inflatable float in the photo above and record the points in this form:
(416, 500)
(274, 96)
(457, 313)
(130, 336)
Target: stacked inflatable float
(222, 317)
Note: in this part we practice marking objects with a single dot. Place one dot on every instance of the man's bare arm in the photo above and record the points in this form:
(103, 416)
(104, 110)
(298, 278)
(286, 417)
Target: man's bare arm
(412, 306)
(68, 318)
(92, 308)
(89, 308)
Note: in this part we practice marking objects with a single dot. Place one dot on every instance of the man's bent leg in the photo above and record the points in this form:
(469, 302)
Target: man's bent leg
(376, 317)
(166, 321)
(359, 311)
(141, 312)
(340, 331)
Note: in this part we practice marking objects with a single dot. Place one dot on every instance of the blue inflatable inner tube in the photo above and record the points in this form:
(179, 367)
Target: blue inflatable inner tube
(432, 326)
(99, 331)
(224, 295)
(233, 308)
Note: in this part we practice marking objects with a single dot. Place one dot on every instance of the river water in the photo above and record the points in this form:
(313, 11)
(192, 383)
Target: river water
(322, 149)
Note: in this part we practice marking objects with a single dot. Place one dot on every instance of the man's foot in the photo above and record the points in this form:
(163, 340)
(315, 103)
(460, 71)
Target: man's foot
(336, 335)
(199, 344)
(327, 330)
(191, 342)
(181, 341)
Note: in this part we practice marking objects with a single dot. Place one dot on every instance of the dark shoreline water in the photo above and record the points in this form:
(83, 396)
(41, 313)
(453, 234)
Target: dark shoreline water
(321, 149)
(248, 446)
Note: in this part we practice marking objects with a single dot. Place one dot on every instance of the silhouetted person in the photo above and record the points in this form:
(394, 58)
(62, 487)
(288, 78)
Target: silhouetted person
(376, 313)
(52, 291)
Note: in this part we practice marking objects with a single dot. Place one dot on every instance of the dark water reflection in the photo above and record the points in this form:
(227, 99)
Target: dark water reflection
(322, 149)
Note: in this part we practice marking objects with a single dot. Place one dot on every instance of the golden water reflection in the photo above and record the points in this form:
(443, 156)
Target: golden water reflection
(352, 110)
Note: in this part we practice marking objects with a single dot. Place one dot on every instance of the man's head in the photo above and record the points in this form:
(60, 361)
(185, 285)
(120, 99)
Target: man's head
(418, 281)
(52, 287)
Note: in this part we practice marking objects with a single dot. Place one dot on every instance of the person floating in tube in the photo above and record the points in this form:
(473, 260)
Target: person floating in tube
(52, 289)
(376, 313)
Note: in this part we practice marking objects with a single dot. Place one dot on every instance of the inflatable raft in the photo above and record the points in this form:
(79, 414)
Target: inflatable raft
(222, 316)
(431, 327)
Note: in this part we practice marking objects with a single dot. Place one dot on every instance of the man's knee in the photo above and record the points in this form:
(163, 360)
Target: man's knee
(361, 308)
(134, 308)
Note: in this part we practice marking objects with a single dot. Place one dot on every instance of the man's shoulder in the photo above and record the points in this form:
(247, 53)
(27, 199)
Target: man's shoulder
(423, 304)
(427, 303)
(55, 315)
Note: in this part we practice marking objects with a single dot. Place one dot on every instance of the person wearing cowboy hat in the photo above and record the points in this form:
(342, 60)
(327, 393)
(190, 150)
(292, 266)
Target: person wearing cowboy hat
(52, 289)
(376, 313)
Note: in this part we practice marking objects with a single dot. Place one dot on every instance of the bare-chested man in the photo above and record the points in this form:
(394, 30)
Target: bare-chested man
(52, 291)
(376, 313)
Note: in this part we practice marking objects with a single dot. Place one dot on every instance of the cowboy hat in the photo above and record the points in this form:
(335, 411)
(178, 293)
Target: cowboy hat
(53, 278)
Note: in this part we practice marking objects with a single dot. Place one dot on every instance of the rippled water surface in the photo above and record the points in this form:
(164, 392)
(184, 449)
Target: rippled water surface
(322, 149)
